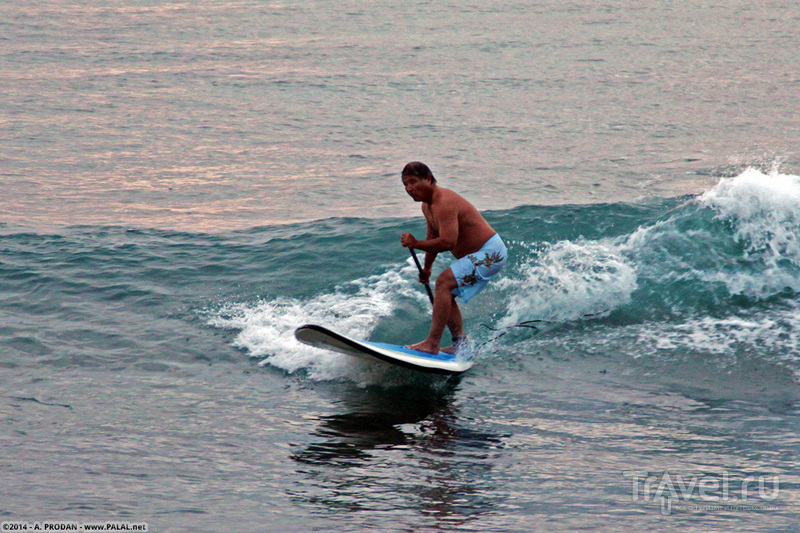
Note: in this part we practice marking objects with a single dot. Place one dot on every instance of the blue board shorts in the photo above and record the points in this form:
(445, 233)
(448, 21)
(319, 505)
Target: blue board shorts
(474, 271)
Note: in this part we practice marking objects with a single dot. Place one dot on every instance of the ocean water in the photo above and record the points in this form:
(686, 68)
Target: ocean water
(183, 185)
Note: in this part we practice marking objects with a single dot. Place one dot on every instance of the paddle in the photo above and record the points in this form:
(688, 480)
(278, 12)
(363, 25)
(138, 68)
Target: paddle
(419, 266)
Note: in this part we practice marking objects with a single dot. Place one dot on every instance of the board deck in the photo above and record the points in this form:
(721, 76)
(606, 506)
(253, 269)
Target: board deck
(441, 363)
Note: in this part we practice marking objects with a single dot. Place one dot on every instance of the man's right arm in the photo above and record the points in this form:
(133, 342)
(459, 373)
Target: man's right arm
(430, 257)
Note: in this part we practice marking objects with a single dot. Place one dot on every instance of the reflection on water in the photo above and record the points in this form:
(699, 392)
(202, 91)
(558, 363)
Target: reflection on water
(400, 450)
(377, 418)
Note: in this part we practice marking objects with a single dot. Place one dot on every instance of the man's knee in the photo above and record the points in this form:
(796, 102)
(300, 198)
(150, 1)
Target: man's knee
(446, 281)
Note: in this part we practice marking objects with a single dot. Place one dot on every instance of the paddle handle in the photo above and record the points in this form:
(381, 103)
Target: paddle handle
(419, 266)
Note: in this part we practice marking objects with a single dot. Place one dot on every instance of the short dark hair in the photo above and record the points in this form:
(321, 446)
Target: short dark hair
(420, 170)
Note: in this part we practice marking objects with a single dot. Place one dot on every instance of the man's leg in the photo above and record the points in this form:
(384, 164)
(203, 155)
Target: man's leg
(455, 324)
(445, 313)
(456, 327)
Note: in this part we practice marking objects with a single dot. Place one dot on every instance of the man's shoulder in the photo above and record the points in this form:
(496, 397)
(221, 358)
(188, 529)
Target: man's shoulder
(450, 198)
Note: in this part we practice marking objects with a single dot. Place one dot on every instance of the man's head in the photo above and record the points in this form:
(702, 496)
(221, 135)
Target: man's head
(418, 181)
(420, 170)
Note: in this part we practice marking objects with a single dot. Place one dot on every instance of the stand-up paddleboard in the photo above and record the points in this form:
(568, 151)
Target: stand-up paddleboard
(441, 363)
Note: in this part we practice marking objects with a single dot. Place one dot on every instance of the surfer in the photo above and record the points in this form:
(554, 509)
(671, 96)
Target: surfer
(456, 226)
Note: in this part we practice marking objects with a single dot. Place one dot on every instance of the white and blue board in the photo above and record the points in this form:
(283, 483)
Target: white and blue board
(441, 363)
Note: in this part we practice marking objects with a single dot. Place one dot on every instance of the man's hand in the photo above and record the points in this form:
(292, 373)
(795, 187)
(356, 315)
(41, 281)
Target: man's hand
(425, 276)
(408, 240)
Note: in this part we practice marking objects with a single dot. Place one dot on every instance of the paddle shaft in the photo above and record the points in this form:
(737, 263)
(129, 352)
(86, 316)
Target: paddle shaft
(419, 266)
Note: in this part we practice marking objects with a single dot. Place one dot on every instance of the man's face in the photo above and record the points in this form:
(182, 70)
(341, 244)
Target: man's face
(417, 188)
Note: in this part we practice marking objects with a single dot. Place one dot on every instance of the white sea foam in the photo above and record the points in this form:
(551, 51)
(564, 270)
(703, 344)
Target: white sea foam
(754, 253)
(267, 327)
(570, 280)
(750, 244)
(764, 211)
(768, 334)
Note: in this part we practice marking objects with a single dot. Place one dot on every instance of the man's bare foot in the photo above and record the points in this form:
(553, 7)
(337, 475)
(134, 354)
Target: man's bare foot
(458, 343)
(425, 346)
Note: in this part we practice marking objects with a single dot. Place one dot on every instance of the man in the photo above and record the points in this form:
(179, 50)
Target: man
(454, 225)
